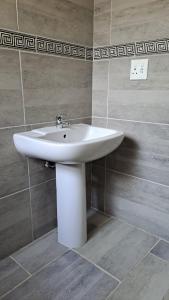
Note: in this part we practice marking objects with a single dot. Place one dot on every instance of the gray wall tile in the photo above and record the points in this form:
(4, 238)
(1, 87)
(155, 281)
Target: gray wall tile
(138, 20)
(99, 122)
(98, 186)
(158, 74)
(150, 159)
(50, 85)
(57, 85)
(140, 202)
(8, 17)
(38, 173)
(43, 200)
(88, 184)
(102, 22)
(142, 105)
(143, 100)
(15, 223)
(144, 151)
(13, 166)
(11, 113)
(62, 20)
(100, 88)
(94, 220)
(89, 4)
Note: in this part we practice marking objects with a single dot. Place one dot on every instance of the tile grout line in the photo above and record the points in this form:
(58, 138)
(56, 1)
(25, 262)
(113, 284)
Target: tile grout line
(139, 262)
(158, 257)
(15, 193)
(140, 178)
(105, 182)
(20, 66)
(35, 185)
(33, 124)
(97, 266)
(107, 114)
(103, 223)
(35, 52)
(113, 291)
(35, 241)
(22, 89)
(50, 262)
(130, 224)
(30, 275)
(111, 7)
(111, 217)
(132, 121)
(17, 14)
(135, 266)
(26, 189)
(20, 265)
(91, 182)
(119, 282)
(14, 288)
(49, 54)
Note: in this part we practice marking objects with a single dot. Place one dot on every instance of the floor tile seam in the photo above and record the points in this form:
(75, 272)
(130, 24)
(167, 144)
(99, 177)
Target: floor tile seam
(96, 265)
(20, 265)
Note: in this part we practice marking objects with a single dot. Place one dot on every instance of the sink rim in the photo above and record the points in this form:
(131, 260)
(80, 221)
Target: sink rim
(25, 135)
(30, 144)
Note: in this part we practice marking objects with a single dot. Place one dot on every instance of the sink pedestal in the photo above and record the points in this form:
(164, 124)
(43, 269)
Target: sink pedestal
(71, 204)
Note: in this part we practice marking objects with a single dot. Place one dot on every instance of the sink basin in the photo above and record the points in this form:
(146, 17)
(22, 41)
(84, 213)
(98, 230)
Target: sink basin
(69, 148)
(79, 143)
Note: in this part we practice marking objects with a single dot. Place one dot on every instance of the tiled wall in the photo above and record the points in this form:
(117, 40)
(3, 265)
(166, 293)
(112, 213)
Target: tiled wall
(133, 182)
(45, 68)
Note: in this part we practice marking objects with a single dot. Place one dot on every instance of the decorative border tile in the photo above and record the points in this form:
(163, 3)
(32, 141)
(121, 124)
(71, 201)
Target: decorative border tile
(132, 49)
(60, 48)
(23, 41)
(17, 40)
(89, 53)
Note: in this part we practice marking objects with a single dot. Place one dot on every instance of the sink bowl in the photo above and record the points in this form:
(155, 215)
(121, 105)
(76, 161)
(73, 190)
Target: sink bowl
(69, 148)
(77, 144)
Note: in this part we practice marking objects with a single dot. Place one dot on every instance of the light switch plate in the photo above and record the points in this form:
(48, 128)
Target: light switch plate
(139, 68)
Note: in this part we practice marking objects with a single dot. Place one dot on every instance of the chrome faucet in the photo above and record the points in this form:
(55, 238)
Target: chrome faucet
(60, 122)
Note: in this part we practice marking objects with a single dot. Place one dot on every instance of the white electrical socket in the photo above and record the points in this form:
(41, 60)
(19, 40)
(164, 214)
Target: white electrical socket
(139, 68)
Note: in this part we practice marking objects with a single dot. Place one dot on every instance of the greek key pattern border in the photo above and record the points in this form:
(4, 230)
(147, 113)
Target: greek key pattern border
(37, 44)
(158, 46)
(22, 41)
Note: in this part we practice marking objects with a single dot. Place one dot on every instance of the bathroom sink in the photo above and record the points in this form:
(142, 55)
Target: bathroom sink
(69, 148)
(76, 144)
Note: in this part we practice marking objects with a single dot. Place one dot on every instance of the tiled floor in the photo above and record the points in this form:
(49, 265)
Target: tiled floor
(119, 262)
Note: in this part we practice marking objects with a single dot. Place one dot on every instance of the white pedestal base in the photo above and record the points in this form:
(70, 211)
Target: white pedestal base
(71, 204)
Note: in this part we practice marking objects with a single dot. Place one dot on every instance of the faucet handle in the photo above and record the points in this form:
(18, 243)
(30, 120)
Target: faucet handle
(60, 115)
(59, 118)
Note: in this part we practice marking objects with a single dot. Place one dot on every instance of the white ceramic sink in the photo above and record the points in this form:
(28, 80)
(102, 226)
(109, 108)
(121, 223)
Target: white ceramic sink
(79, 143)
(69, 148)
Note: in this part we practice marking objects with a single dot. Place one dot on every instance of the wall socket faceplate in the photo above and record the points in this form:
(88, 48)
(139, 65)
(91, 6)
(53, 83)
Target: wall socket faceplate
(139, 68)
